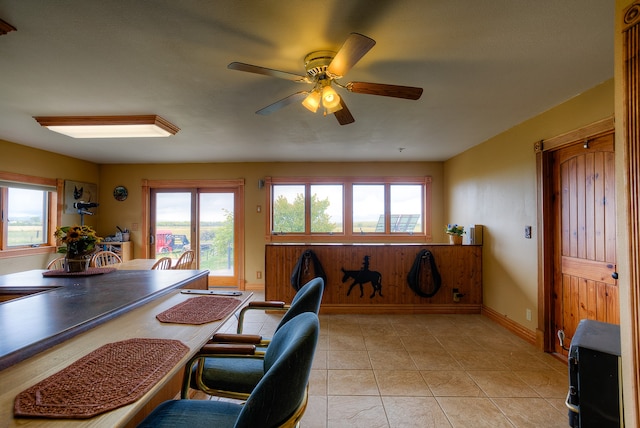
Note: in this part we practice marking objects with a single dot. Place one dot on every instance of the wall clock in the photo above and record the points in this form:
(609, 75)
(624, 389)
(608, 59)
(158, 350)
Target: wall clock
(120, 193)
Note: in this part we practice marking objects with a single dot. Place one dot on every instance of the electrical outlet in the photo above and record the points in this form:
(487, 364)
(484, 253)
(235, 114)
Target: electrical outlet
(528, 314)
(259, 274)
(134, 226)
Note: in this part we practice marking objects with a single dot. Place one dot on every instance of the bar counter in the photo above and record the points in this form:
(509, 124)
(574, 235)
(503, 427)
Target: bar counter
(63, 307)
(140, 322)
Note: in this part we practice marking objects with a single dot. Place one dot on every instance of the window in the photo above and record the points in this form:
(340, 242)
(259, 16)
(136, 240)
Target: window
(27, 206)
(323, 209)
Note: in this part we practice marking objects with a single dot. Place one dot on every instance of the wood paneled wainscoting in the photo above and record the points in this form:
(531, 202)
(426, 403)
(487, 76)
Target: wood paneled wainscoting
(460, 267)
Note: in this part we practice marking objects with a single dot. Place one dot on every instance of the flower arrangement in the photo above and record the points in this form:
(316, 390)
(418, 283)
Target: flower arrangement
(454, 229)
(77, 240)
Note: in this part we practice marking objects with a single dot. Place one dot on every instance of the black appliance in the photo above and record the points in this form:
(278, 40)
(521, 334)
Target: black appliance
(595, 382)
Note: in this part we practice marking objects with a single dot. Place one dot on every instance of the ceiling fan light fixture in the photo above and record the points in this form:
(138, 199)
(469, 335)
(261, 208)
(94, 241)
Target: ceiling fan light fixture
(312, 101)
(143, 126)
(330, 98)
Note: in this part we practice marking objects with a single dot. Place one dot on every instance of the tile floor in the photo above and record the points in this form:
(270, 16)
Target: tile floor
(426, 371)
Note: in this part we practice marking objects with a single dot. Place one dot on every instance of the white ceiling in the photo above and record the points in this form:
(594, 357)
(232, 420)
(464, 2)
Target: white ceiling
(485, 66)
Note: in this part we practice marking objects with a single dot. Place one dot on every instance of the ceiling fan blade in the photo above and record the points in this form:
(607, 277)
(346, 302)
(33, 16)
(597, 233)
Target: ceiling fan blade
(406, 92)
(344, 115)
(241, 66)
(350, 53)
(298, 96)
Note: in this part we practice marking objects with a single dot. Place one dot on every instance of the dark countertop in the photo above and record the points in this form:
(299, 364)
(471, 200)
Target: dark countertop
(72, 305)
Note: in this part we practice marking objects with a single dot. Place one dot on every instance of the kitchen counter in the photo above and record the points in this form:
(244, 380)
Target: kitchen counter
(54, 309)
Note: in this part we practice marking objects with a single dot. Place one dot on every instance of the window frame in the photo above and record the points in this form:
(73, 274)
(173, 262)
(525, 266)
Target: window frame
(347, 235)
(54, 213)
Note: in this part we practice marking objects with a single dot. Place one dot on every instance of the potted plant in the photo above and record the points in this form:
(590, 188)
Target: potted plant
(455, 233)
(79, 242)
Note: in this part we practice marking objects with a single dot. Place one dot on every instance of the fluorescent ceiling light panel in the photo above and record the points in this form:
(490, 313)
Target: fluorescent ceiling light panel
(109, 126)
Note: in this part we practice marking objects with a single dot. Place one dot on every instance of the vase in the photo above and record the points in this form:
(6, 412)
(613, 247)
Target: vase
(76, 263)
(455, 239)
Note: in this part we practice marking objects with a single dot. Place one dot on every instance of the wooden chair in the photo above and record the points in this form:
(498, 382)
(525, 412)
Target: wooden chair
(162, 264)
(186, 260)
(105, 258)
(56, 264)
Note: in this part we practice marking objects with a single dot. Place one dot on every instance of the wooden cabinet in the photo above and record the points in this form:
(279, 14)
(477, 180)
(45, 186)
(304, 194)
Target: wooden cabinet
(123, 249)
(460, 267)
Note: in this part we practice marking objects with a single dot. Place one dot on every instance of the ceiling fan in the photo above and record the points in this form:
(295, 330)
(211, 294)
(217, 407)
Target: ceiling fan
(325, 68)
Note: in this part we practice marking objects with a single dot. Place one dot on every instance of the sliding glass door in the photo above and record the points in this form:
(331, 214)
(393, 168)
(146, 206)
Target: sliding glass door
(202, 219)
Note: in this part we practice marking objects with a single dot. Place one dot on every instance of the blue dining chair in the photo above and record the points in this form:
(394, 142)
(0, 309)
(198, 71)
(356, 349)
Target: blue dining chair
(279, 399)
(231, 372)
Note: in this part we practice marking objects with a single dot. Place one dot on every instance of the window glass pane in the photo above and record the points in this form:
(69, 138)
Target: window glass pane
(173, 224)
(216, 233)
(27, 215)
(288, 208)
(326, 208)
(406, 208)
(368, 208)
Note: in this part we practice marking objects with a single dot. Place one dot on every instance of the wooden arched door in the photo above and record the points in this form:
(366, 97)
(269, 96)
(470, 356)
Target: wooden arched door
(584, 278)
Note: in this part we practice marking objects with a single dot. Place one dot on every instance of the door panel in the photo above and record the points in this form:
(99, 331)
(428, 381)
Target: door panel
(586, 259)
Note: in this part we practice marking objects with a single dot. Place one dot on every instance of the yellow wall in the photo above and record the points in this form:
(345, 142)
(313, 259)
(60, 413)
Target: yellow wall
(127, 213)
(39, 163)
(494, 184)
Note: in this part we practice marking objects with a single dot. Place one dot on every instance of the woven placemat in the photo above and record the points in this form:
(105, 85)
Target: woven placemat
(112, 376)
(199, 310)
(88, 272)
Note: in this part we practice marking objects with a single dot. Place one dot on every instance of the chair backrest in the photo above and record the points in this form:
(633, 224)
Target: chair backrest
(287, 367)
(162, 264)
(105, 258)
(307, 299)
(186, 260)
(55, 264)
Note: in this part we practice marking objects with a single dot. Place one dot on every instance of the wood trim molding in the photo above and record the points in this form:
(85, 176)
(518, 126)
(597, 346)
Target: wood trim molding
(509, 324)
(592, 130)
(631, 81)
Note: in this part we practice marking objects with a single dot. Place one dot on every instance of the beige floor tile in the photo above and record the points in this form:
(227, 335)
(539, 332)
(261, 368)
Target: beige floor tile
(467, 412)
(315, 416)
(391, 360)
(479, 360)
(418, 412)
(383, 343)
(323, 342)
(422, 342)
(320, 360)
(532, 413)
(401, 383)
(501, 383)
(460, 343)
(344, 327)
(356, 411)
(454, 383)
(374, 330)
(444, 329)
(318, 382)
(348, 360)
(346, 342)
(434, 359)
(521, 360)
(351, 382)
(547, 383)
(360, 376)
(412, 329)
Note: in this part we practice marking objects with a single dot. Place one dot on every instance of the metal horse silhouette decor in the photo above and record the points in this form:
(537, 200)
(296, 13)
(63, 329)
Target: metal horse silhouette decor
(362, 276)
